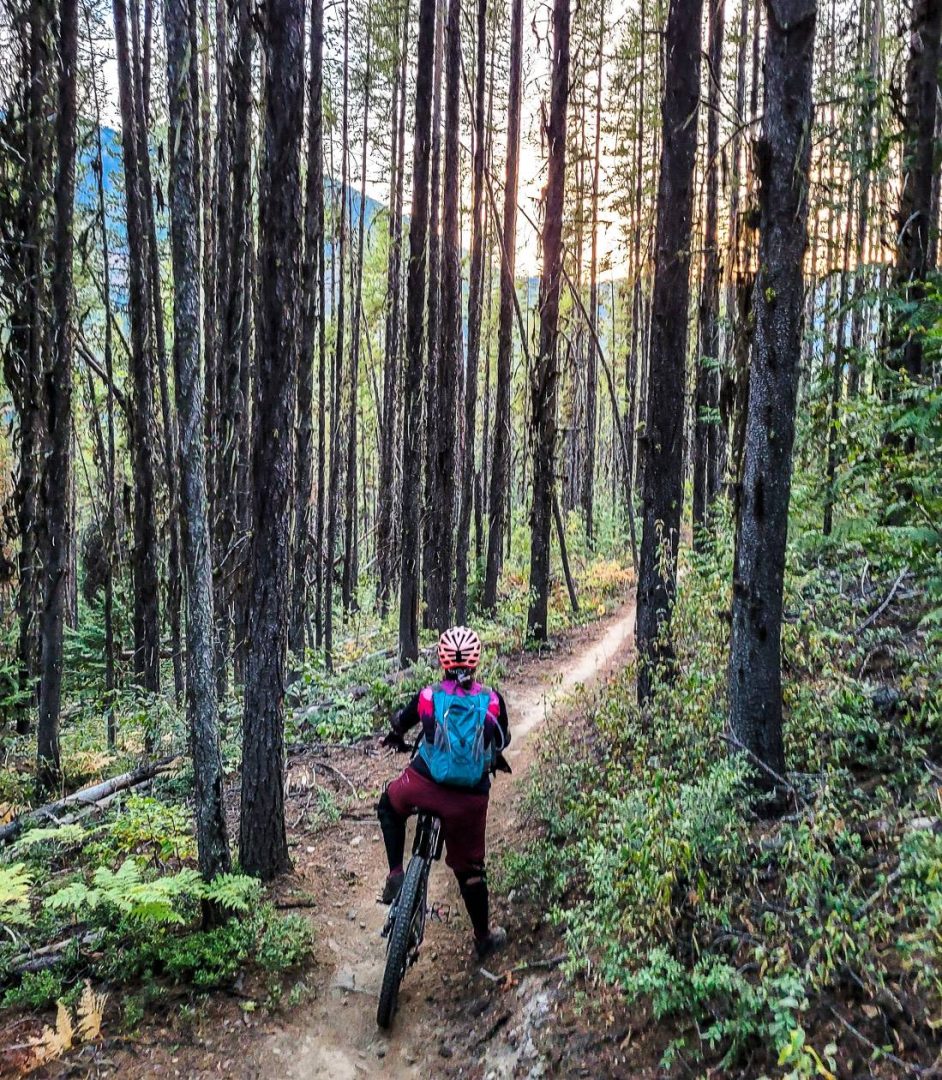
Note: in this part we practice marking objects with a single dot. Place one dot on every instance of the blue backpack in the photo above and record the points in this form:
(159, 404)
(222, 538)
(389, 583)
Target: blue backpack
(458, 756)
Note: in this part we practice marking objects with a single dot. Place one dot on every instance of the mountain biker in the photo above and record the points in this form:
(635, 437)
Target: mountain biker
(464, 729)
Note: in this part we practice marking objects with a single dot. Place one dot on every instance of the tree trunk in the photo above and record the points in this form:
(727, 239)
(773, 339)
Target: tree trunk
(385, 530)
(429, 539)
(664, 428)
(333, 490)
(707, 430)
(476, 289)
(914, 221)
(234, 331)
(783, 154)
(500, 474)
(350, 562)
(546, 370)
(312, 316)
(146, 602)
(262, 839)
(415, 306)
(57, 461)
(211, 835)
(592, 360)
(141, 80)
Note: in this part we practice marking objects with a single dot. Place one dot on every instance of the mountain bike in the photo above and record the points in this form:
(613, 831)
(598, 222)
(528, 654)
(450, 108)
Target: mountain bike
(405, 924)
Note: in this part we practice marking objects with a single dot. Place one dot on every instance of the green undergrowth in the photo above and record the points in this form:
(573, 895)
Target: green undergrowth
(742, 937)
(121, 903)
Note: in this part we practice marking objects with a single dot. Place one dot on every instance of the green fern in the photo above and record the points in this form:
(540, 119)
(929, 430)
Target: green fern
(15, 882)
(233, 892)
(60, 834)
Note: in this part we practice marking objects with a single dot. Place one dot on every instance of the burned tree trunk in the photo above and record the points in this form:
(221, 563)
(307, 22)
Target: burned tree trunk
(783, 154)
(707, 430)
(476, 289)
(262, 840)
(545, 377)
(664, 428)
(415, 306)
(445, 460)
(57, 461)
(311, 341)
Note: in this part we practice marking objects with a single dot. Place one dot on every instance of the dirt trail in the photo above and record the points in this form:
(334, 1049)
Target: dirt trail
(335, 1037)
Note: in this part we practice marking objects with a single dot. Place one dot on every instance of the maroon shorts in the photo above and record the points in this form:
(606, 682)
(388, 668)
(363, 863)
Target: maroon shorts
(463, 815)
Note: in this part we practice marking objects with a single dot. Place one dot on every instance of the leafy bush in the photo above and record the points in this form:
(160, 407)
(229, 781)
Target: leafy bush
(667, 887)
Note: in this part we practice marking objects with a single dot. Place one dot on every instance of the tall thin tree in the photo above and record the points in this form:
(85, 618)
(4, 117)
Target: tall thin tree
(415, 306)
(664, 427)
(211, 834)
(545, 376)
(57, 461)
(475, 294)
(500, 470)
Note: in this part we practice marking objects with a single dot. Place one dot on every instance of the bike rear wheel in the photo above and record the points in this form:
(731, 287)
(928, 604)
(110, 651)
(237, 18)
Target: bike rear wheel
(409, 909)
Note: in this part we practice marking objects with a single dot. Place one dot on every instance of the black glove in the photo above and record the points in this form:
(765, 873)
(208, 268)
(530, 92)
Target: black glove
(394, 741)
(501, 764)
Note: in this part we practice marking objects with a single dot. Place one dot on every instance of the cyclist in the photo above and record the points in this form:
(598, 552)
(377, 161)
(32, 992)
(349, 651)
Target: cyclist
(464, 729)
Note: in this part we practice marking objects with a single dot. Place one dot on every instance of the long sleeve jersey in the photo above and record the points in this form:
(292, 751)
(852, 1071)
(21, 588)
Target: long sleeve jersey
(421, 710)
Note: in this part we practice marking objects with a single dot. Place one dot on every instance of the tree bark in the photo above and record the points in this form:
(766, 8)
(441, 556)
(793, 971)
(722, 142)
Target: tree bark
(311, 341)
(445, 459)
(202, 709)
(57, 460)
(476, 289)
(707, 432)
(500, 474)
(546, 370)
(386, 532)
(350, 560)
(592, 361)
(664, 428)
(415, 305)
(430, 540)
(333, 490)
(146, 601)
(263, 843)
(783, 154)
(915, 223)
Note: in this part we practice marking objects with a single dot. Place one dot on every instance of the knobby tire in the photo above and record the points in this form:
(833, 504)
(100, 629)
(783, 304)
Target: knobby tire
(397, 955)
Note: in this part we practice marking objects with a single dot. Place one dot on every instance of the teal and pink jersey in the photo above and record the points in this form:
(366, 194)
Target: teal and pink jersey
(421, 710)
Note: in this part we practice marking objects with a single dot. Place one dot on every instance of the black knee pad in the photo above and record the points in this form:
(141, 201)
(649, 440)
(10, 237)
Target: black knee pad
(476, 875)
(384, 808)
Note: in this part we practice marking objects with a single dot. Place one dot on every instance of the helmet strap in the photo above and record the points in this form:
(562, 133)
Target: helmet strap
(464, 677)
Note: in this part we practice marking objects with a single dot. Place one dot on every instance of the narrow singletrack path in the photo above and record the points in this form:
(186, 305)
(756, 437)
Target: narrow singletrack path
(335, 1037)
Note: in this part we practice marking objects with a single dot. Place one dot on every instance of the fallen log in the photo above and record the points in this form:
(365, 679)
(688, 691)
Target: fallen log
(87, 796)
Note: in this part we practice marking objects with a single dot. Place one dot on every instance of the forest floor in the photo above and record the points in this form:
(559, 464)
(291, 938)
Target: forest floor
(456, 1018)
